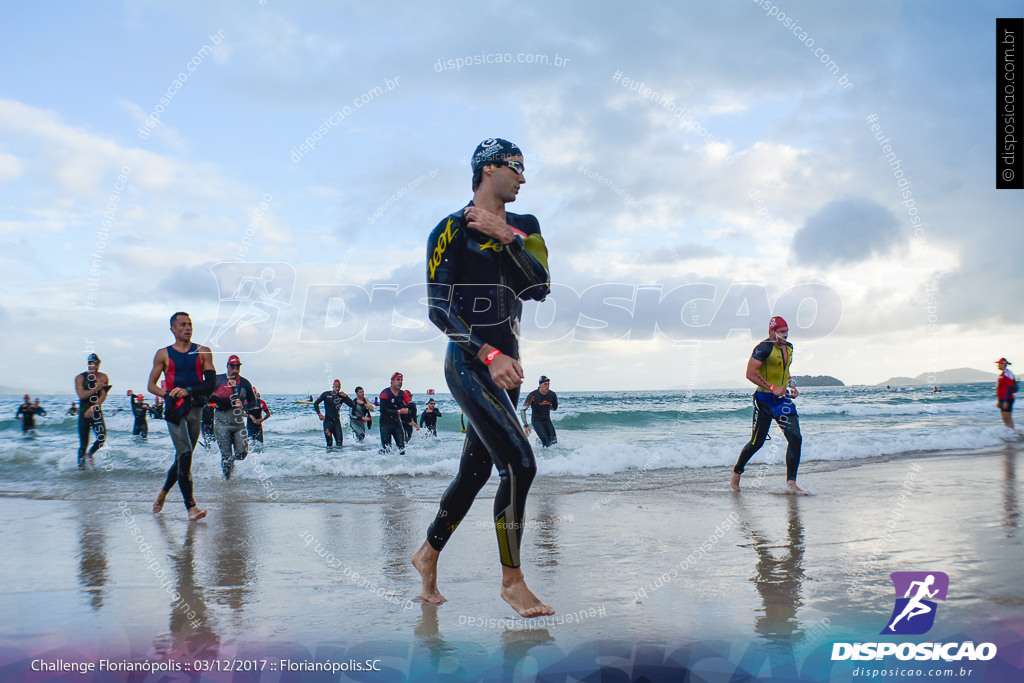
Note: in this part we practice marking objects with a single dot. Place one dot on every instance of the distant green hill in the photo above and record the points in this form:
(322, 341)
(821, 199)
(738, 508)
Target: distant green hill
(957, 376)
(817, 381)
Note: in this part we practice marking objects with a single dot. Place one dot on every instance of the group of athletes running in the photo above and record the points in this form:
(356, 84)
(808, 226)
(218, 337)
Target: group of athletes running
(478, 253)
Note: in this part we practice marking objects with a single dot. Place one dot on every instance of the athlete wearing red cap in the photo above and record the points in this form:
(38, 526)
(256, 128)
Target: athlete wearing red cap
(233, 397)
(1006, 387)
(768, 369)
(393, 412)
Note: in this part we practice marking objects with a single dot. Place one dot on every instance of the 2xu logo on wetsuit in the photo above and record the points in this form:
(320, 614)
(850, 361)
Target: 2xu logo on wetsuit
(914, 614)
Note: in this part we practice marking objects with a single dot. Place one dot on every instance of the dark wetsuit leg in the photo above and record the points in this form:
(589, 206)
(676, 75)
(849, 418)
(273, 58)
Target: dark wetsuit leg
(392, 430)
(545, 430)
(494, 436)
(790, 426)
(141, 427)
(332, 432)
(95, 423)
(184, 436)
(761, 422)
(255, 431)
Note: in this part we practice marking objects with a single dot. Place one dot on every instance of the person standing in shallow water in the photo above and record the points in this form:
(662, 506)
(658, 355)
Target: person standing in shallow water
(483, 253)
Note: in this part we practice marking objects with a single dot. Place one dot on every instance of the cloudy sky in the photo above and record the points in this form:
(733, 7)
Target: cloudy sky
(275, 168)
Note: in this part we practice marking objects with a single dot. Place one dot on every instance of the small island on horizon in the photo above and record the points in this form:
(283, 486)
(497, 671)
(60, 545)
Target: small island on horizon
(817, 381)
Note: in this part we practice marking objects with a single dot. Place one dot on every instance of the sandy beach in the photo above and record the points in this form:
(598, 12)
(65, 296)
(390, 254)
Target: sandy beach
(668, 562)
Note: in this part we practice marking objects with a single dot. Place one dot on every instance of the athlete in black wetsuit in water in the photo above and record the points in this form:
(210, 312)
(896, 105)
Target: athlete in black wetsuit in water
(139, 410)
(92, 387)
(429, 417)
(394, 412)
(333, 400)
(189, 377)
(27, 415)
(483, 254)
(541, 402)
(361, 414)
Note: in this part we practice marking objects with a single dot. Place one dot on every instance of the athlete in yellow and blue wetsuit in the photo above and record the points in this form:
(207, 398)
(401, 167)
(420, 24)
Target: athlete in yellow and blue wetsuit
(768, 368)
(476, 256)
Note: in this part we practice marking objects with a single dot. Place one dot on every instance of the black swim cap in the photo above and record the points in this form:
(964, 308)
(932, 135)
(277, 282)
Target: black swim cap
(493, 149)
(93, 358)
(544, 378)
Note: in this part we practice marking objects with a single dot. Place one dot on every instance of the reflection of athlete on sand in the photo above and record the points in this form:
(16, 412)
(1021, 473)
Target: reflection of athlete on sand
(253, 296)
(915, 607)
(484, 254)
(768, 368)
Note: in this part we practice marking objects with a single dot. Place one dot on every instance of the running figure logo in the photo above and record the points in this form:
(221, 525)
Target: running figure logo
(251, 297)
(914, 613)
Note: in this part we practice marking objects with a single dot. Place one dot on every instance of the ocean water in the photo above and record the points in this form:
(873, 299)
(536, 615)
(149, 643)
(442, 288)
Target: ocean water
(602, 437)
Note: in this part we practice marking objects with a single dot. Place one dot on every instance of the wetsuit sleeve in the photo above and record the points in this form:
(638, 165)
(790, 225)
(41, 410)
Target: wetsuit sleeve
(529, 258)
(422, 416)
(250, 402)
(554, 401)
(444, 246)
(316, 403)
(762, 351)
(347, 400)
(526, 404)
(206, 387)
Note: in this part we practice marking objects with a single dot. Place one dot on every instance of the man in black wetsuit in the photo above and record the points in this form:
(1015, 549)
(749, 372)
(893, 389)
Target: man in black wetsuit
(157, 409)
(139, 410)
(484, 255)
(393, 412)
(409, 419)
(542, 401)
(188, 371)
(92, 387)
(256, 417)
(361, 414)
(332, 400)
(232, 397)
(26, 415)
(429, 417)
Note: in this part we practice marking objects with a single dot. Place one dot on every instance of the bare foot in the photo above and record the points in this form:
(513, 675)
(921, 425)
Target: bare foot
(521, 598)
(734, 482)
(195, 514)
(158, 504)
(796, 490)
(425, 561)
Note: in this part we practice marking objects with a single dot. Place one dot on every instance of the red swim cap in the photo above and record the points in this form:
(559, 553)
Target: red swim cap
(776, 322)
